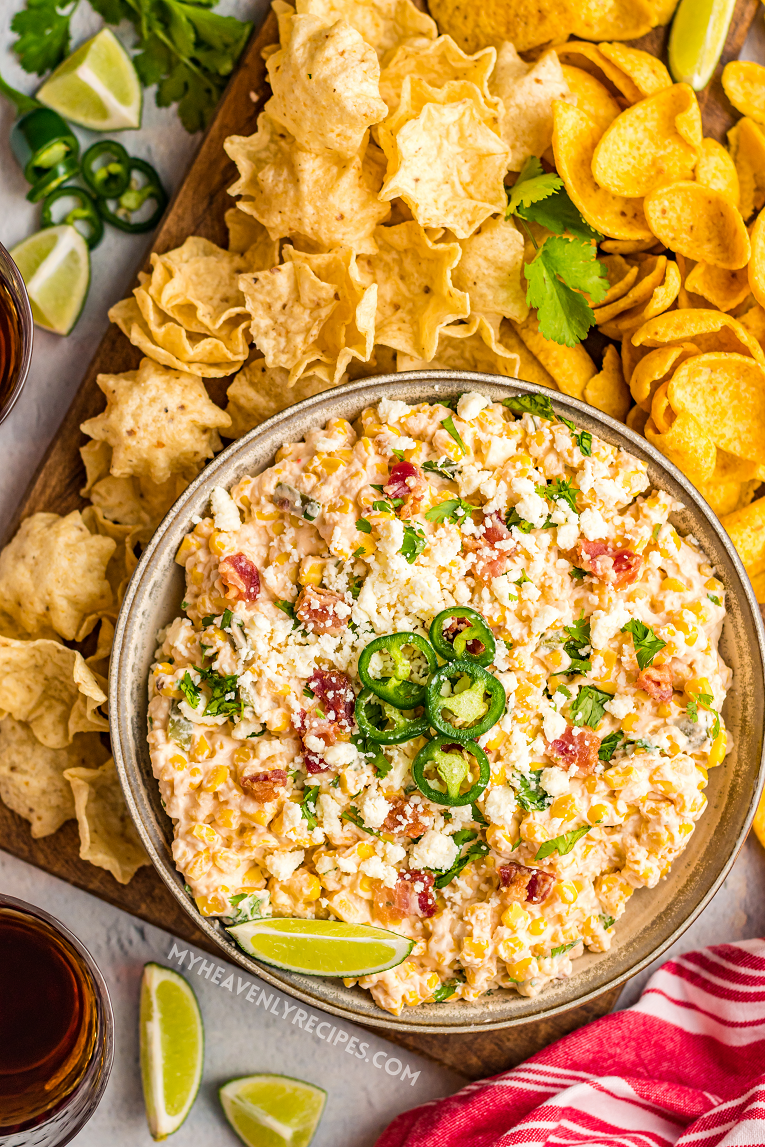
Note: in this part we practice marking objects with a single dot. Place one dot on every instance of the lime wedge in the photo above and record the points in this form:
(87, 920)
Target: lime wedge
(172, 1048)
(96, 87)
(272, 1110)
(322, 947)
(697, 38)
(55, 265)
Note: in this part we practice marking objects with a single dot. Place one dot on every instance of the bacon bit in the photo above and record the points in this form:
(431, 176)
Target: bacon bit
(577, 748)
(529, 884)
(617, 567)
(412, 895)
(240, 576)
(404, 819)
(335, 692)
(263, 786)
(313, 763)
(656, 680)
(490, 562)
(454, 627)
(406, 481)
(316, 609)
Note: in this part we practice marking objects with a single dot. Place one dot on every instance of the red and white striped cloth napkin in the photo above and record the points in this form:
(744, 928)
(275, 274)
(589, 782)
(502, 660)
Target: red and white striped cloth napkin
(684, 1067)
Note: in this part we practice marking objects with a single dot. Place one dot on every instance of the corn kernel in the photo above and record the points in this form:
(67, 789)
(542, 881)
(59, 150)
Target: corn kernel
(225, 818)
(311, 571)
(564, 808)
(364, 851)
(474, 949)
(674, 585)
(277, 720)
(367, 545)
(664, 709)
(533, 832)
(199, 865)
(590, 784)
(538, 927)
(717, 752)
(629, 722)
(195, 776)
(261, 817)
(703, 774)
(567, 892)
(509, 948)
(217, 777)
(243, 755)
(311, 886)
(686, 828)
(253, 877)
(201, 750)
(523, 970)
(365, 884)
(204, 832)
(495, 740)
(188, 546)
(515, 917)
(500, 840)
(498, 772)
(697, 685)
(619, 776)
(178, 762)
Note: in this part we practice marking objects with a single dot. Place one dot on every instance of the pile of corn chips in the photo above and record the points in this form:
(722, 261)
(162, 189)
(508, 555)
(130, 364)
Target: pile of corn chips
(371, 234)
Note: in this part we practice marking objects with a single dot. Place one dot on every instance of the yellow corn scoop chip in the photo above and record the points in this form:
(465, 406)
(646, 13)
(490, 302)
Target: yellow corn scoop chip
(747, 148)
(621, 277)
(474, 345)
(570, 367)
(51, 688)
(312, 309)
(631, 246)
(650, 273)
(756, 270)
(684, 443)
(591, 59)
(732, 485)
(591, 96)
(167, 343)
(744, 85)
(32, 781)
(723, 289)
(717, 170)
(524, 23)
(326, 85)
(437, 63)
(654, 142)
(383, 23)
(607, 390)
(708, 330)
(53, 576)
(448, 167)
(258, 392)
(575, 137)
(529, 367)
(108, 838)
(527, 92)
(661, 298)
(158, 422)
(613, 19)
(657, 367)
(699, 223)
(725, 392)
(490, 270)
(416, 297)
(746, 528)
(647, 73)
(278, 184)
(637, 419)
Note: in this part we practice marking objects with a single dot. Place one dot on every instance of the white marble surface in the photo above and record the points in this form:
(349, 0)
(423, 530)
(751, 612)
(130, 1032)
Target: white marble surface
(240, 1038)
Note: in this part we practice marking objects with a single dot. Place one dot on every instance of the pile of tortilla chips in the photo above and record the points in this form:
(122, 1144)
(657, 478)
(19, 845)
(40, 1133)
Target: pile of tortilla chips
(370, 235)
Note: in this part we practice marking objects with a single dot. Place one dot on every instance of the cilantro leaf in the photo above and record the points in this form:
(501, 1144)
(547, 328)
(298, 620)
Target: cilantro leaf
(607, 921)
(353, 815)
(561, 270)
(584, 442)
(531, 795)
(579, 640)
(414, 543)
(452, 510)
(363, 525)
(225, 621)
(445, 468)
(531, 186)
(43, 34)
(646, 643)
(559, 214)
(474, 852)
(190, 690)
(513, 518)
(453, 432)
(579, 632)
(714, 599)
(563, 948)
(589, 706)
(478, 815)
(445, 990)
(560, 488)
(538, 404)
(373, 752)
(609, 745)
(562, 844)
(577, 574)
(308, 805)
(209, 619)
(286, 607)
(224, 694)
(705, 701)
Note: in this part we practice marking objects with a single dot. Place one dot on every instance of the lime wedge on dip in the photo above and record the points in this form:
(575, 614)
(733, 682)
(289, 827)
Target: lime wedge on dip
(322, 947)
(96, 87)
(272, 1110)
(697, 38)
(172, 1048)
(55, 265)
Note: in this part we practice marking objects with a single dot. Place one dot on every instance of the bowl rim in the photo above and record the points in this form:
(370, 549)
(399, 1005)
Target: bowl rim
(446, 379)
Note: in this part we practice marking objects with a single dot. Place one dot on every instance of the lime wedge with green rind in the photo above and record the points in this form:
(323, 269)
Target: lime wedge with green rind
(698, 35)
(55, 266)
(273, 1110)
(322, 947)
(97, 87)
(172, 1048)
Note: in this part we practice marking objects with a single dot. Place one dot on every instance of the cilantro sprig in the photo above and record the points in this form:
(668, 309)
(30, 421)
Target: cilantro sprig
(453, 432)
(562, 844)
(308, 805)
(445, 468)
(531, 795)
(452, 510)
(541, 406)
(565, 268)
(560, 488)
(577, 647)
(414, 543)
(609, 745)
(474, 852)
(646, 643)
(703, 701)
(588, 707)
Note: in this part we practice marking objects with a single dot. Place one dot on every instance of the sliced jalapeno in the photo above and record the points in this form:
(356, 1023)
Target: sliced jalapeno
(56, 177)
(443, 763)
(477, 700)
(386, 724)
(84, 212)
(397, 687)
(132, 200)
(462, 633)
(110, 179)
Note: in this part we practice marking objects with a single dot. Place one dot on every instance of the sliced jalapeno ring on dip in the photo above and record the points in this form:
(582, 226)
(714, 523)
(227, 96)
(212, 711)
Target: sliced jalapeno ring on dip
(477, 700)
(471, 641)
(386, 724)
(397, 687)
(442, 760)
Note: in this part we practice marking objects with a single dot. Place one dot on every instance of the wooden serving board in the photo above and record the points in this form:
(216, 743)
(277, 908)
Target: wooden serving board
(198, 209)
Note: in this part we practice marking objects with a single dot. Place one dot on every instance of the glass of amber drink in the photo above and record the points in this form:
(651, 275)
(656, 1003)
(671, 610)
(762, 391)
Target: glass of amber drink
(56, 1029)
(16, 332)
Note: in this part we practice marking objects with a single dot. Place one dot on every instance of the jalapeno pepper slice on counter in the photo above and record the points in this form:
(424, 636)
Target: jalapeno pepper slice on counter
(84, 212)
(132, 200)
(106, 180)
(396, 686)
(462, 633)
(442, 762)
(477, 700)
(386, 724)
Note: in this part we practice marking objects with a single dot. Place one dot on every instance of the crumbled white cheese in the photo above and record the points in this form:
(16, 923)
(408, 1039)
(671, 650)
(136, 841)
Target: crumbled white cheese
(224, 510)
(568, 535)
(620, 705)
(604, 624)
(391, 410)
(329, 813)
(554, 724)
(500, 806)
(394, 853)
(378, 870)
(554, 781)
(531, 507)
(282, 864)
(292, 816)
(592, 524)
(340, 755)
(471, 404)
(373, 808)
(434, 850)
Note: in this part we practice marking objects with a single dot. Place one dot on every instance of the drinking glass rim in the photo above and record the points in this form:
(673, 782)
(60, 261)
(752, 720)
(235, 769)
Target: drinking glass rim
(12, 275)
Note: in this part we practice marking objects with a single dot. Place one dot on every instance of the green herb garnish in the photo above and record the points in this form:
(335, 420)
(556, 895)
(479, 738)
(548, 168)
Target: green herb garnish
(308, 804)
(414, 543)
(445, 468)
(453, 432)
(562, 844)
(609, 745)
(588, 708)
(646, 643)
(531, 795)
(453, 510)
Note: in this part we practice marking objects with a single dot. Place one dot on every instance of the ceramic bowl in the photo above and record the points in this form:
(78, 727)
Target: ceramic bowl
(655, 917)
